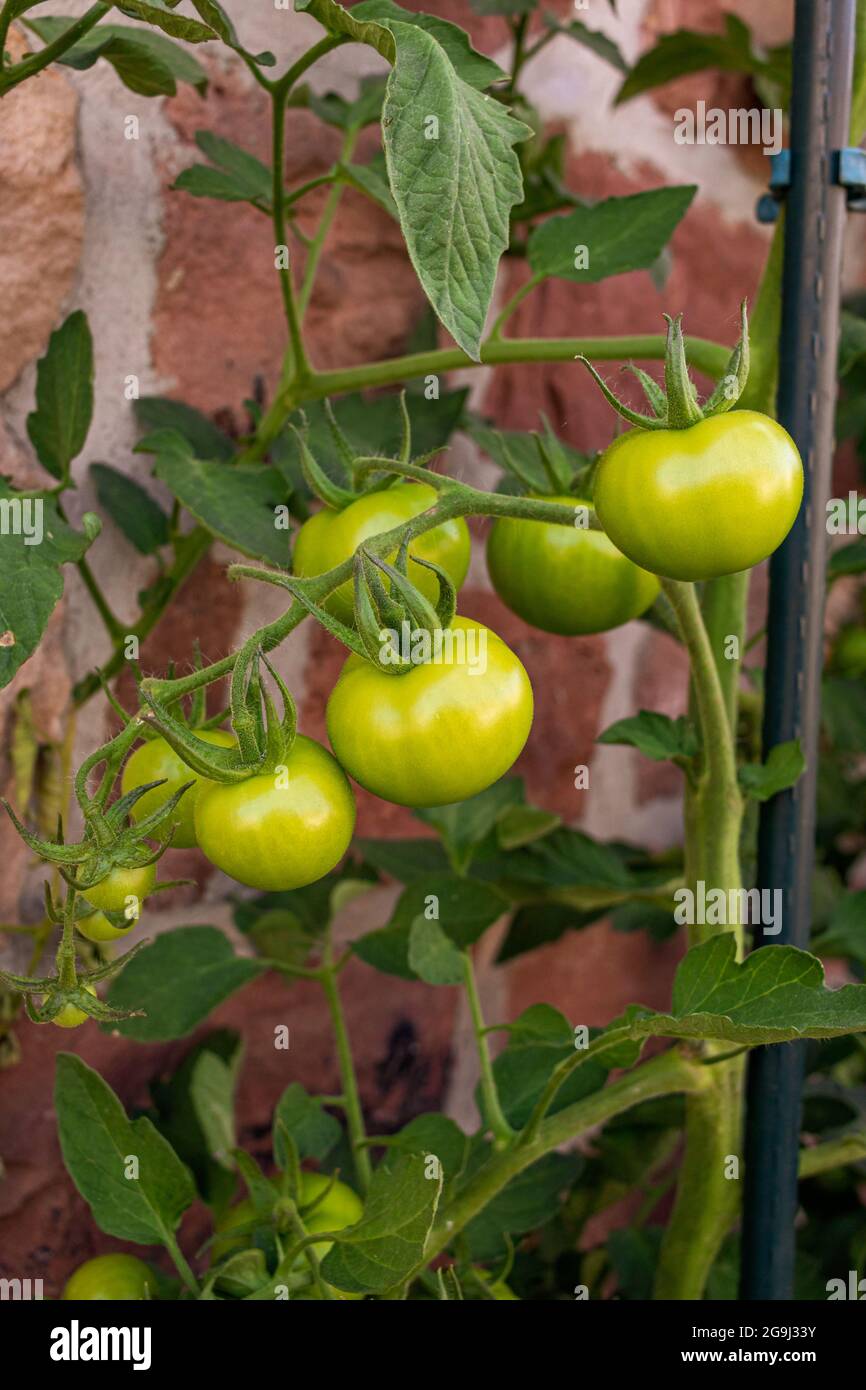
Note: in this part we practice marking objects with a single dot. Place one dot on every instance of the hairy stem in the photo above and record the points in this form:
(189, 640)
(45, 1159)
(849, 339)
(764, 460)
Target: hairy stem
(28, 67)
(493, 1116)
(348, 1078)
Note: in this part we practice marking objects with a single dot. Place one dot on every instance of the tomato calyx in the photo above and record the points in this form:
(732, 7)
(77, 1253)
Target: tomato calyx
(264, 737)
(677, 406)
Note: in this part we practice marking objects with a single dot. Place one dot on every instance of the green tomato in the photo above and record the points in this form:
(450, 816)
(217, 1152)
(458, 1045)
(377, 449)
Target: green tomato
(697, 503)
(70, 1016)
(342, 1207)
(565, 579)
(112, 893)
(96, 927)
(157, 760)
(439, 733)
(279, 830)
(328, 538)
(121, 1278)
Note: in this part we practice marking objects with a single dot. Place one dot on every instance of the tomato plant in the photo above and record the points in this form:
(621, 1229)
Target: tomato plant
(430, 711)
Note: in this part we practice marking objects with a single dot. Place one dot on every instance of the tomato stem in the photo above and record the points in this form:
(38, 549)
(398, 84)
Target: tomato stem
(348, 1077)
(493, 1116)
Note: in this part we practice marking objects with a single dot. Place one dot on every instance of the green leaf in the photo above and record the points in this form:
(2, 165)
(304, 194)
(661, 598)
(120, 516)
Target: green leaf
(34, 543)
(314, 1131)
(523, 825)
(845, 935)
(464, 908)
(540, 923)
(783, 768)
(455, 178)
(516, 452)
(848, 559)
(437, 1135)
(64, 396)
(432, 955)
(289, 924)
(593, 39)
(387, 1244)
(237, 176)
(212, 1096)
(177, 25)
(97, 1141)
(146, 62)
(843, 711)
(776, 995)
(687, 51)
(130, 507)
(335, 110)
(852, 341)
(404, 859)
(236, 504)
(177, 1115)
(371, 180)
(179, 980)
(206, 439)
(465, 825)
(506, 7)
(655, 735)
(539, 1040)
(619, 234)
(530, 1200)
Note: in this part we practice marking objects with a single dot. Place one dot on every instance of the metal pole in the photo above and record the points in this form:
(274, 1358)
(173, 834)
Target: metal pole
(814, 227)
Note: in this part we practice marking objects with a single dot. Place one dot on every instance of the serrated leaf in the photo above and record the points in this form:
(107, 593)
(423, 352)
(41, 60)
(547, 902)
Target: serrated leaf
(179, 980)
(454, 192)
(371, 180)
(432, 956)
(130, 507)
(336, 110)
(96, 1138)
(518, 450)
(592, 39)
(313, 1130)
(177, 25)
(465, 825)
(538, 1042)
(58, 427)
(655, 735)
(776, 995)
(389, 1241)
(437, 1135)
(236, 504)
(620, 234)
(32, 582)
(784, 766)
(465, 909)
(206, 439)
(687, 51)
(145, 61)
(530, 1200)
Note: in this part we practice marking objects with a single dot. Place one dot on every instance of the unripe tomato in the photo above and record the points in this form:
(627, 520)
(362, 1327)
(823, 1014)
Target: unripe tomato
(342, 1207)
(441, 732)
(112, 893)
(96, 927)
(565, 579)
(122, 1278)
(279, 830)
(70, 1016)
(697, 503)
(330, 537)
(156, 760)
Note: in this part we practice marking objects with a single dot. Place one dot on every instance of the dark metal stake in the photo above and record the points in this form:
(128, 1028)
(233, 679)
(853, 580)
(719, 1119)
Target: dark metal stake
(815, 221)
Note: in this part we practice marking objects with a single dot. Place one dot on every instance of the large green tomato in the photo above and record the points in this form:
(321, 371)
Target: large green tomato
(441, 732)
(330, 537)
(279, 830)
(122, 1278)
(697, 503)
(565, 579)
(112, 893)
(157, 761)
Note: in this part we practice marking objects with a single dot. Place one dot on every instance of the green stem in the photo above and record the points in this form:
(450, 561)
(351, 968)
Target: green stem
(515, 300)
(724, 609)
(279, 99)
(833, 1153)
(519, 29)
(181, 1265)
(28, 67)
(705, 356)
(188, 552)
(328, 214)
(112, 625)
(348, 1078)
(493, 1116)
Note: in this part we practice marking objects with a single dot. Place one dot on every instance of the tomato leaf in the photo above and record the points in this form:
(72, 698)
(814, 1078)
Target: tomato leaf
(538, 1041)
(593, 39)
(313, 1130)
(178, 1116)
(463, 908)
(236, 504)
(784, 766)
(776, 995)
(655, 735)
(387, 1244)
(34, 543)
(64, 396)
(530, 1200)
(179, 980)
(845, 934)
(465, 825)
(335, 110)
(404, 859)
(212, 1096)
(437, 1135)
(177, 25)
(236, 175)
(432, 956)
(848, 559)
(687, 51)
(618, 235)
(130, 507)
(206, 439)
(370, 179)
(97, 1139)
(145, 61)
